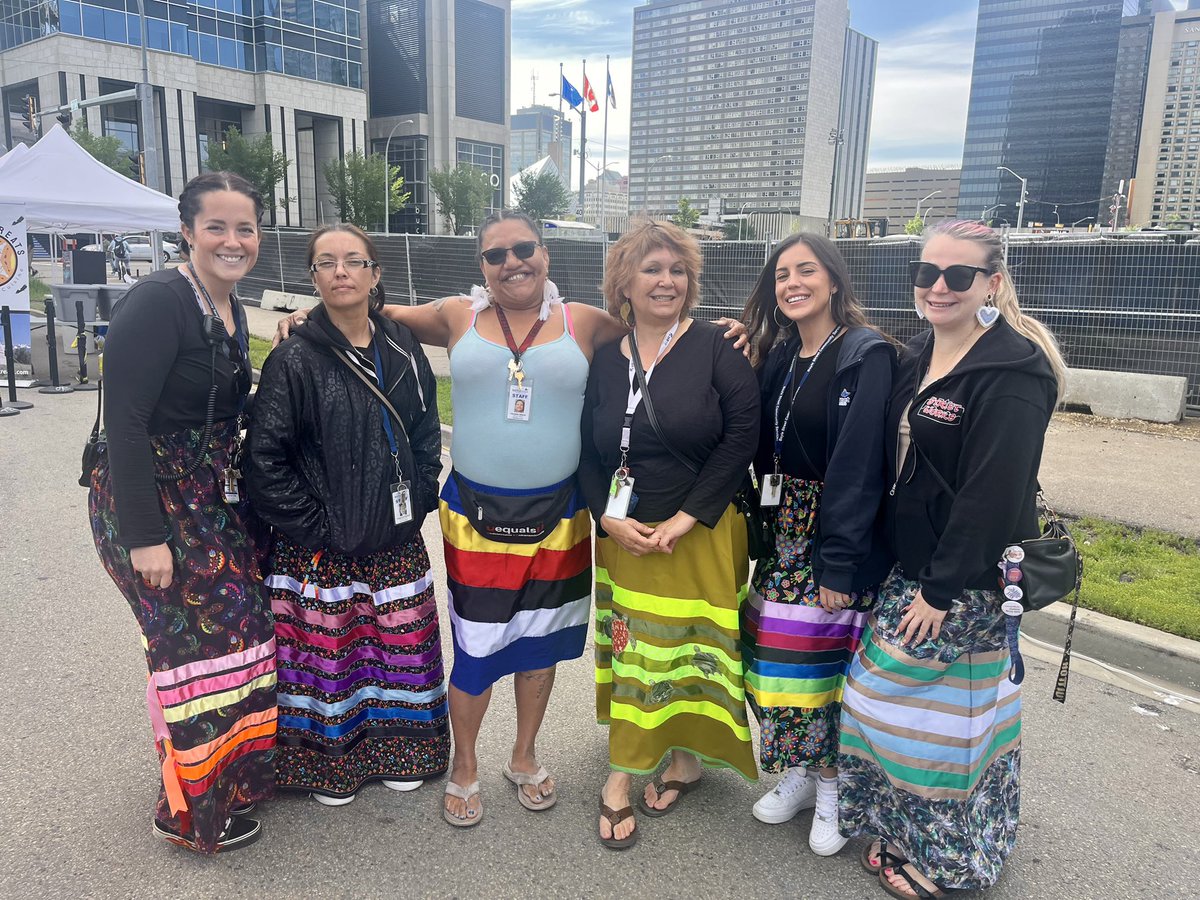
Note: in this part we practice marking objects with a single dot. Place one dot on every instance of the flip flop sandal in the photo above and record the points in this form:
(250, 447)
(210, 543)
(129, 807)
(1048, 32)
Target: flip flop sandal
(660, 788)
(536, 779)
(910, 878)
(616, 817)
(463, 793)
(879, 848)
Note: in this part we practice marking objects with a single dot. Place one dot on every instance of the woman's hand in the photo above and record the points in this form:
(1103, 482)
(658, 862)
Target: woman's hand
(672, 530)
(737, 331)
(921, 621)
(286, 324)
(155, 564)
(633, 537)
(834, 601)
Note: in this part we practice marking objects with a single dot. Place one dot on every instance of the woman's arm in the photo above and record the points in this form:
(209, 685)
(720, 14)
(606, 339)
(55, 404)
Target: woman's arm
(438, 324)
(426, 438)
(595, 327)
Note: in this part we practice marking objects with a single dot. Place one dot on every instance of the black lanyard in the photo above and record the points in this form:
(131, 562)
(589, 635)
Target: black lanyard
(781, 429)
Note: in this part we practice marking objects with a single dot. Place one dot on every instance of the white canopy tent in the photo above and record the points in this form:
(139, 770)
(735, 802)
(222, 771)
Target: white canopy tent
(66, 189)
(13, 155)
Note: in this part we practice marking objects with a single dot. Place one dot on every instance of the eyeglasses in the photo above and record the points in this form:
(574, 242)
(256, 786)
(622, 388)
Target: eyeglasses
(352, 265)
(497, 255)
(958, 278)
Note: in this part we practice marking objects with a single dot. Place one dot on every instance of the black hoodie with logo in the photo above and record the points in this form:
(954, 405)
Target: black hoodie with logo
(966, 487)
(319, 467)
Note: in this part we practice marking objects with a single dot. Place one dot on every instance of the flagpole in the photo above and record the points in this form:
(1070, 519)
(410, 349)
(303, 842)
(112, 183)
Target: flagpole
(558, 129)
(583, 142)
(604, 155)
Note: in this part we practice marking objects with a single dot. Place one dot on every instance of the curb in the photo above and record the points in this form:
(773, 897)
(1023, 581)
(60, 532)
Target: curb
(1087, 620)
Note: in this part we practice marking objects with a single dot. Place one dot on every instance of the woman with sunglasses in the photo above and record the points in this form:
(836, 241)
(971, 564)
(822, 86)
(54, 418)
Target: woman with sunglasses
(345, 451)
(825, 376)
(172, 527)
(930, 755)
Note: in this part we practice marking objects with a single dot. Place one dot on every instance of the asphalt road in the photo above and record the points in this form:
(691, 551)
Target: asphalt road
(1108, 779)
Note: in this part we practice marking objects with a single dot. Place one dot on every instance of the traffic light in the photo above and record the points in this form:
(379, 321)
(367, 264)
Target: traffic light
(29, 117)
(64, 119)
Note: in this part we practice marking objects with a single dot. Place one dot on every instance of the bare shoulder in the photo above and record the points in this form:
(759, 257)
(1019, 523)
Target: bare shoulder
(594, 326)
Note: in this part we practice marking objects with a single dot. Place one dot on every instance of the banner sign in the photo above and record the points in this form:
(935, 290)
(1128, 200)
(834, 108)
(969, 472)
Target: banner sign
(14, 286)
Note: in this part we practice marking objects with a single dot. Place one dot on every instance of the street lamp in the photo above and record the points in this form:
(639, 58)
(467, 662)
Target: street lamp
(742, 218)
(600, 170)
(1084, 219)
(646, 189)
(991, 209)
(387, 176)
(925, 215)
(1021, 203)
(922, 200)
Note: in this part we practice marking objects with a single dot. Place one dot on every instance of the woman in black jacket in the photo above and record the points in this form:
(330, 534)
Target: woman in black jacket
(825, 377)
(345, 451)
(930, 757)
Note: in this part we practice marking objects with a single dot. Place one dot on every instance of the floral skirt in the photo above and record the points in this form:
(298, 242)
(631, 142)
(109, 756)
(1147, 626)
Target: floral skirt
(668, 664)
(361, 685)
(930, 755)
(797, 655)
(208, 639)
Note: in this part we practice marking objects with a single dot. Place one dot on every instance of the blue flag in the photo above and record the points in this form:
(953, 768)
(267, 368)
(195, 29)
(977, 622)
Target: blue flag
(572, 96)
(612, 95)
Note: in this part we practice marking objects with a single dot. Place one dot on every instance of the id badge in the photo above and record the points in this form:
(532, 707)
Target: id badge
(772, 489)
(229, 485)
(620, 493)
(401, 503)
(519, 401)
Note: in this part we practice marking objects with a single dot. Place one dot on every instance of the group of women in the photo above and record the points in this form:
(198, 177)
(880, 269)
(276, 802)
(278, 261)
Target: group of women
(294, 641)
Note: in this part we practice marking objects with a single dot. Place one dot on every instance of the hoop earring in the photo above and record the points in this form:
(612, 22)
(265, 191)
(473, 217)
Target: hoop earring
(374, 291)
(775, 315)
(987, 315)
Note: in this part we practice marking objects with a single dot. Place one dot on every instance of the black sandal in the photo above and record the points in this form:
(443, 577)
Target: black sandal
(616, 817)
(886, 857)
(919, 890)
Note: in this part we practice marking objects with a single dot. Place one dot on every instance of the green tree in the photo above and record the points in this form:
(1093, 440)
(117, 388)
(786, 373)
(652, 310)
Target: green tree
(105, 148)
(541, 196)
(739, 230)
(914, 225)
(462, 194)
(357, 183)
(254, 159)
(687, 216)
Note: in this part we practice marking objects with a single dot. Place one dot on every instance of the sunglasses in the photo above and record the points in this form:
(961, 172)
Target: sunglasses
(958, 278)
(497, 255)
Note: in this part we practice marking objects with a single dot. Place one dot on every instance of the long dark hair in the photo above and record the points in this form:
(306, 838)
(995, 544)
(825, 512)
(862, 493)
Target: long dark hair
(762, 325)
(378, 298)
(191, 198)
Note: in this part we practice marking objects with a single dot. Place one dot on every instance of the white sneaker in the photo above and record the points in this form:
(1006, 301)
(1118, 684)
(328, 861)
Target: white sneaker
(824, 837)
(795, 792)
(326, 800)
(403, 786)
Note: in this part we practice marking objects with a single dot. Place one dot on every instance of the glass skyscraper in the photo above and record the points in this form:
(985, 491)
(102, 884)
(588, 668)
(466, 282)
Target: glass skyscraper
(1041, 102)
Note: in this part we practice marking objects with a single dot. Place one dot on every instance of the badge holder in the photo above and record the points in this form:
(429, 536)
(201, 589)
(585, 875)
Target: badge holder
(402, 512)
(772, 489)
(518, 405)
(620, 495)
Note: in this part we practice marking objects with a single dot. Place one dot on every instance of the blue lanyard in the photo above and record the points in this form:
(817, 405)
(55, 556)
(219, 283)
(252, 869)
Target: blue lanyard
(781, 429)
(387, 419)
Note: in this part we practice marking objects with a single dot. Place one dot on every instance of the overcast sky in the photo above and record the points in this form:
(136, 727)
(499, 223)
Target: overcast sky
(921, 83)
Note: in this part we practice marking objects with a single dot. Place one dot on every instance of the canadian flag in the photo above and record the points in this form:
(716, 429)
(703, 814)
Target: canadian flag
(589, 96)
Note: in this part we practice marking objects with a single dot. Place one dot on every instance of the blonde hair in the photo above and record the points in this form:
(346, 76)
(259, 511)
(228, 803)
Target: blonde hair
(1006, 295)
(635, 245)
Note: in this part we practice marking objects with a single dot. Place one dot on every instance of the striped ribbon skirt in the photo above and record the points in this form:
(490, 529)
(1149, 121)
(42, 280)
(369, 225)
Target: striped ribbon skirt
(668, 655)
(208, 641)
(796, 654)
(515, 607)
(930, 752)
(361, 688)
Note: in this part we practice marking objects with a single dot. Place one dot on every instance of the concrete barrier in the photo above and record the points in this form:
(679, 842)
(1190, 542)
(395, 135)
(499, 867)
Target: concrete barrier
(287, 301)
(1127, 395)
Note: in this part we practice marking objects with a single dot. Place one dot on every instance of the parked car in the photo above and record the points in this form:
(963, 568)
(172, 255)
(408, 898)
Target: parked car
(139, 248)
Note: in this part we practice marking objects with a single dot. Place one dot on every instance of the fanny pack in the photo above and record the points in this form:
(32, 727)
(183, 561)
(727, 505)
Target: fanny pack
(514, 518)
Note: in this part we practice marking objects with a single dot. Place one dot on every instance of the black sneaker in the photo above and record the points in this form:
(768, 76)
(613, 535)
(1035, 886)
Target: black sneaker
(238, 833)
(243, 810)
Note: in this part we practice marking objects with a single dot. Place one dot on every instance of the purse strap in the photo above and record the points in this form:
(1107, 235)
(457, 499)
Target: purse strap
(344, 356)
(640, 373)
(99, 409)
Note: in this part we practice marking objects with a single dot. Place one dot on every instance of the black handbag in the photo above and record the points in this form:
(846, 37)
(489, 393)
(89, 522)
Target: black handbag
(92, 449)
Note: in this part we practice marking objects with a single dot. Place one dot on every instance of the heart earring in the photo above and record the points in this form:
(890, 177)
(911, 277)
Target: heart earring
(987, 315)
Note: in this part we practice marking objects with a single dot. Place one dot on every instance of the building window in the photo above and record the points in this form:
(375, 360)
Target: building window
(489, 158)
(213, 120)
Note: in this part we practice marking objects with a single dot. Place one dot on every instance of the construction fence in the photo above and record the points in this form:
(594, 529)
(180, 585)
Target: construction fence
(1122, 303)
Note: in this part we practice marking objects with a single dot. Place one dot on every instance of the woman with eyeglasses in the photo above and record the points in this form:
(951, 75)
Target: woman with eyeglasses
(930, 755)
(172, 527)
(345, 452)
(825, 377)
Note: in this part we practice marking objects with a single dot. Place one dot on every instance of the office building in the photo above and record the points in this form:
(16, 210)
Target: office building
(1041, 101)
(538, 131)
(853, 135)
(293, 70)
(438, 89)
(733, 105)
(1129, 88)
(606, 203)
(931, 192)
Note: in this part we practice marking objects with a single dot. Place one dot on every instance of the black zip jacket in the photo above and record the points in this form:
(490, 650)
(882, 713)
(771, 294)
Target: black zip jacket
(982, 426)
(851, 552)
(319, 468)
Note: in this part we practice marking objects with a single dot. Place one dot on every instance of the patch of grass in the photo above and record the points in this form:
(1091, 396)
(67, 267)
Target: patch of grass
(258, 351)
(443, 384)
(1140, 575)
(38, 292)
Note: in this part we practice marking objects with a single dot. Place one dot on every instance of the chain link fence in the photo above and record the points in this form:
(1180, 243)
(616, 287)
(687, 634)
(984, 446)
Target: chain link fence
(1123, 303)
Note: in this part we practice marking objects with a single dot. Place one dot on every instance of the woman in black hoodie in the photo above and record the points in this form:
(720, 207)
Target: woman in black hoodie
(825, 376)
(345, 451)
(931, 724)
